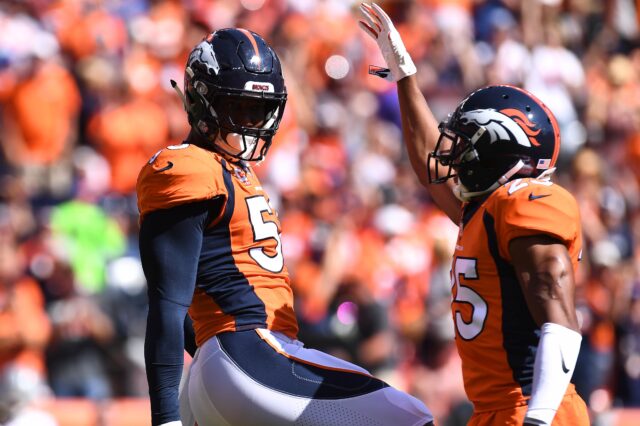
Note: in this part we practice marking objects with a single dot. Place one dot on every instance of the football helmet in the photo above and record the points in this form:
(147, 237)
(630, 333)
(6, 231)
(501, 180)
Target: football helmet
(498, 133)
(235, 93)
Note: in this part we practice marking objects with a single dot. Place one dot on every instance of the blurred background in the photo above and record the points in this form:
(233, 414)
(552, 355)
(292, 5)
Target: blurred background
(85, 101)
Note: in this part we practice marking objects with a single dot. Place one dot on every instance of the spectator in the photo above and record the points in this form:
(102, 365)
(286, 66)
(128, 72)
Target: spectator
(81, 332)
(24, 332)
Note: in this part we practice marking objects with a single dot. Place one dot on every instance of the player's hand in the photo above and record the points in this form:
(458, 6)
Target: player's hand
(379, 26)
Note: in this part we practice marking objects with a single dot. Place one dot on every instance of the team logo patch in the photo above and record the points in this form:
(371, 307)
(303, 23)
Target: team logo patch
(165, 168)
(259, 86)
(241, 175)
(501, 124)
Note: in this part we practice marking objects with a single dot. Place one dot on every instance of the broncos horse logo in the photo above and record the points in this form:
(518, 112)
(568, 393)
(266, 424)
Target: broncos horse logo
(503, 124)
(206, 56)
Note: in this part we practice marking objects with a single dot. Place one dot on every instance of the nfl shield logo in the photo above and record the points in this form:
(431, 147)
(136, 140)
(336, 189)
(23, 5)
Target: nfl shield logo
(242, 176)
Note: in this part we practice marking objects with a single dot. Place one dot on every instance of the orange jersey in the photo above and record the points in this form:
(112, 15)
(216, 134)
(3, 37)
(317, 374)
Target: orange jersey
(571, 412)
(495, 334)
(242, 282)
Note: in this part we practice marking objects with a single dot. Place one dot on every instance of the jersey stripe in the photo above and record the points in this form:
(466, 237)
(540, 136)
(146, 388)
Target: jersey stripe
(220, 278)
(253, 41)
(470, 209)
(519, 331)
(304, 361)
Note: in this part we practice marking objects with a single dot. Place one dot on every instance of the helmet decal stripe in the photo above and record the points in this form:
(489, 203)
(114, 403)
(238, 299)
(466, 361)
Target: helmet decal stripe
(253, 41)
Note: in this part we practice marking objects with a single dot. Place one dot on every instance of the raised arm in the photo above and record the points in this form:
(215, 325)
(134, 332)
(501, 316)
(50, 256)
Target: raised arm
(419, 126)
(420, 133)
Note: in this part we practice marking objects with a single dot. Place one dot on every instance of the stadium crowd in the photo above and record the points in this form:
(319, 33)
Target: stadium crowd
(85, 101)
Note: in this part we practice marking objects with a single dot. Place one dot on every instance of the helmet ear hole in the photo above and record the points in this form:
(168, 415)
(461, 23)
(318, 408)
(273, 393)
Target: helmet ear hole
(200, 87)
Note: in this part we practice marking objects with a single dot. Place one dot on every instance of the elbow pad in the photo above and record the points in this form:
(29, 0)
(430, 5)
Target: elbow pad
(555, 361)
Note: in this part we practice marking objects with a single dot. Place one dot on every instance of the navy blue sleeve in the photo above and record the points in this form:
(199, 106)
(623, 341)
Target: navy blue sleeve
(170, 244)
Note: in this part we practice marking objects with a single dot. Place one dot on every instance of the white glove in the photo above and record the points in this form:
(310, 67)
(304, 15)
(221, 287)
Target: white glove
(379, 26)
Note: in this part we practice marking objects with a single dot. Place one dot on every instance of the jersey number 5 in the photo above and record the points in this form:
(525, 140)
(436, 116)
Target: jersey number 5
(467, 268)
(264, 230)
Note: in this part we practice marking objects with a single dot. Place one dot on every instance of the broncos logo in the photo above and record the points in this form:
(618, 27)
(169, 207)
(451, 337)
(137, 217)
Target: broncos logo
(204, 54)
(505, 123)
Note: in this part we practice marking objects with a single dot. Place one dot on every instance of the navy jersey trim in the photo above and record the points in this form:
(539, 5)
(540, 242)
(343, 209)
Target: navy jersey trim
(470, 209)
(231, 197)
(263, 364)
(519, 331)
(220, 278)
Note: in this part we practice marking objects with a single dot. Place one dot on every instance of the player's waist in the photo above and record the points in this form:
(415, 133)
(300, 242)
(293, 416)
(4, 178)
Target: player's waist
(206, 328)
(501, 400)
(231, 278)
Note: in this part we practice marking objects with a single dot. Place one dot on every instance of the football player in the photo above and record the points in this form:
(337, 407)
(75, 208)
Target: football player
(210, 245)
(518, 245)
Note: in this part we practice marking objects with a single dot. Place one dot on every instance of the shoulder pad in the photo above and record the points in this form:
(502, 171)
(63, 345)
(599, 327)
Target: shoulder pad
(179, 174)
(526, 207)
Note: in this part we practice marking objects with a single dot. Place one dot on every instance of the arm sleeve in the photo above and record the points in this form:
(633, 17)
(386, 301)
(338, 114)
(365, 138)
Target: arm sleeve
(554, 365)
(170, 244)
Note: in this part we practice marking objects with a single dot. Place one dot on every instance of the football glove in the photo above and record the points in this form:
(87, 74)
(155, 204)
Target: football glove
(379, 26)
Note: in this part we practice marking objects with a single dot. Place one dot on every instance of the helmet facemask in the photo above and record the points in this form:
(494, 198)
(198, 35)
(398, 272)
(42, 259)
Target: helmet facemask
(451, 151)
(456, 156)
(238, 123)
(246, 125)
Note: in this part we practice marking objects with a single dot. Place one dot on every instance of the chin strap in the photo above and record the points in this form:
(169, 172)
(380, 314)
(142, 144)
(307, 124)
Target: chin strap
(464, 195)
(185, 104)
(546, 175)
(175, 87)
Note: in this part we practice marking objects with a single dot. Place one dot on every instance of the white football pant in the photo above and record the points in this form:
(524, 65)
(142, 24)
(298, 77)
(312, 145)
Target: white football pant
(260, 377)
